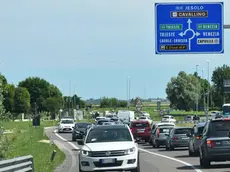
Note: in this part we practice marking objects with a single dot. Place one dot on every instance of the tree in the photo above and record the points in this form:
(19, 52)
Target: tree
(40, 90)
(2, 84)
(218, 77)
(182, 91)
(53, 104)
(22, 100)
(9, 93)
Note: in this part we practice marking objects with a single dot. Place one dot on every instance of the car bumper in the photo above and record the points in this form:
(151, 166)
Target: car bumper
(122, 163)
(66, 130)
(218, 155)
(161, 141)
(179, 143)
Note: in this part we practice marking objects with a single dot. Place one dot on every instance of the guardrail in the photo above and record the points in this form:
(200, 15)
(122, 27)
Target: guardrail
(19, 164)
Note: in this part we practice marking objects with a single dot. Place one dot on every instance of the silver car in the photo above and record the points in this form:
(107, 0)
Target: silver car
(159, 135)
(178, 137)
(195, 139)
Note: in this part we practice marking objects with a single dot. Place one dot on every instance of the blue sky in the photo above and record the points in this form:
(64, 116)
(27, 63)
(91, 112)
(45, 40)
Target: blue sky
(90, 47)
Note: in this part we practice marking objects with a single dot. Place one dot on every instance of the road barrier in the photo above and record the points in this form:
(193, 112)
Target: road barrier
(19, 164)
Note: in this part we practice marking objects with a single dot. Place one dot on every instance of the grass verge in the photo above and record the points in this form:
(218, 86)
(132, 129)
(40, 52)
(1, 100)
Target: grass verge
(25, 141)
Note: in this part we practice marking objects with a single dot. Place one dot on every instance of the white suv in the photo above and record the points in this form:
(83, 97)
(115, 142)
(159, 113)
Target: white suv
(109, 147)
(66, 125)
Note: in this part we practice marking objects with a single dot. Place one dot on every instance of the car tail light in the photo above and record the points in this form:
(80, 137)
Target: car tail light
(175, 138)
(210, 143)
(148, 130)
(226, 119)
(158, 132)
(198, 137)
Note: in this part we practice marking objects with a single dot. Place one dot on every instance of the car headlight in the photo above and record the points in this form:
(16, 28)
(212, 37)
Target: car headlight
(85, 153)
(130, 151)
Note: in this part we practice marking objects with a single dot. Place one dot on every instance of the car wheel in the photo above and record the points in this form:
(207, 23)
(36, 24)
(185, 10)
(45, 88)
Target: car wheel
(205, 163)
(157, 144)
(171, 147)
(73, 139)
(190, 152)
(150, 142)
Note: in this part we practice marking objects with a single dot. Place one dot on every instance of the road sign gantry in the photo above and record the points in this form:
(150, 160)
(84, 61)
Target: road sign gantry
(189, 28)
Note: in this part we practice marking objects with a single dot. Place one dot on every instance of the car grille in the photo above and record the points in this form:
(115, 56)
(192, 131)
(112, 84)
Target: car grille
(105, 154)
(116, 164)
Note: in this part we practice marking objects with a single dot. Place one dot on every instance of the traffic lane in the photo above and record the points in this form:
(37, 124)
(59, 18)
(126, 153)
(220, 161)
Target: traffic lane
(182, 154)
(148, 162)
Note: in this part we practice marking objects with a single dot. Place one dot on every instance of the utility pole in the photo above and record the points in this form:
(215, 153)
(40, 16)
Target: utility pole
(197, 97)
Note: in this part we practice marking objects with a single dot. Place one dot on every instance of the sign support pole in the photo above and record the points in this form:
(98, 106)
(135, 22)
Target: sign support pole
(227, 26)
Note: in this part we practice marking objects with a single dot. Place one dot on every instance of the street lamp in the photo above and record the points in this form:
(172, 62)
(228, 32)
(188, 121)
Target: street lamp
(197, 97)
(128, 90)
(208, 63)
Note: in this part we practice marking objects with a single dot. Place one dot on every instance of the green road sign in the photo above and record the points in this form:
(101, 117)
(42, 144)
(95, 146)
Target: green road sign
(167, 27)
(208, 26)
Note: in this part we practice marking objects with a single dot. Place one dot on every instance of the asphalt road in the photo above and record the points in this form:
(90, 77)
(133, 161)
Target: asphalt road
(151, 159)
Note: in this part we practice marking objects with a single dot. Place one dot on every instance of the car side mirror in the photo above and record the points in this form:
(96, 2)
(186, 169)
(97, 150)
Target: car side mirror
(80, 143)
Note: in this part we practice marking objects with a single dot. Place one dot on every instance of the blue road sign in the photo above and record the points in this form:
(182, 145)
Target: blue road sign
(189, 28)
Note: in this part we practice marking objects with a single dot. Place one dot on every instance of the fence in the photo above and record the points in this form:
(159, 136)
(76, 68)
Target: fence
(20, 164)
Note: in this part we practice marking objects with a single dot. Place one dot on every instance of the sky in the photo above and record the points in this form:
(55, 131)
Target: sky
(91, 47)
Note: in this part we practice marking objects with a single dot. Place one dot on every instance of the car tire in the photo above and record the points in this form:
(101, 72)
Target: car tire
(150, 142)
(73, 139)
(205, 163)
(171, 148)
(190, 152)
(157, 144)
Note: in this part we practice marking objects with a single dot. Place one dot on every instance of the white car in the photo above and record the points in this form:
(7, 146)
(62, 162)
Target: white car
(66, 125)
(109, 147)
(168, 118)
(146, 118)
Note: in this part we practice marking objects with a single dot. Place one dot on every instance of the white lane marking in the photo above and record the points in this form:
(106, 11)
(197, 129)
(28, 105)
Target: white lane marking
(173, 159)
(70, 143)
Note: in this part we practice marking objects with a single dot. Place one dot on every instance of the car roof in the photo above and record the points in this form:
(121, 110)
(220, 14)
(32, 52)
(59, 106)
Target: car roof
(200, 124)
(140, 121)
(110, 126)
(63, 118)
(166, 126)
(83, 123)
(177, 127)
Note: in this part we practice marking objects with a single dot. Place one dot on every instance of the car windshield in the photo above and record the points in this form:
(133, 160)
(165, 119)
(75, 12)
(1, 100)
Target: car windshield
(183, 131)
(100, 122)
(140, 125)
(166, 117)
(108, 135)
(219, 128)
(226, 110)
(142, 117)
(82, 125)
(67, 121)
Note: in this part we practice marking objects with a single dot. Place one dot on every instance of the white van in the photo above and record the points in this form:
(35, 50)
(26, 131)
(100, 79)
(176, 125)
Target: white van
(126, 115)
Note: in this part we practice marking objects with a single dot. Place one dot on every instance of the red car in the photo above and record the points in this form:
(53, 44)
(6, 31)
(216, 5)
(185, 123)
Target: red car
(141, 130)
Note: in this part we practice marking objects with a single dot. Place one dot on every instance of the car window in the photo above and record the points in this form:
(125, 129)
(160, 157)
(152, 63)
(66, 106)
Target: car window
(101, 122)
(108, 135)
(166, 117)
(82, 125)
(183, 131)
(67, 121)
(219, 128)
(199, 130)
(165, 130)
(140, 125)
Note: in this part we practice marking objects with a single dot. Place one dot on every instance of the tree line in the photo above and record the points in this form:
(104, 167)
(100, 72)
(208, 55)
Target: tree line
(33, 93)
(184, 90)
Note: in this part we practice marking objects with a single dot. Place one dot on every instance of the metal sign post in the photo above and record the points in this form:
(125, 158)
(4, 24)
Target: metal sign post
(189, 28)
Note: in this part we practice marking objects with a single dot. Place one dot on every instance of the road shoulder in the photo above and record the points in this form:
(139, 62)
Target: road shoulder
(71, 161)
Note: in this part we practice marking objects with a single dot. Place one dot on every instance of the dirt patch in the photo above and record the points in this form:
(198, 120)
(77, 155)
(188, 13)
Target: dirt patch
(44, 141)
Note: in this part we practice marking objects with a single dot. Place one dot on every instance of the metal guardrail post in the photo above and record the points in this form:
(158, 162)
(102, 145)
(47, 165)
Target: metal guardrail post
(227, 26)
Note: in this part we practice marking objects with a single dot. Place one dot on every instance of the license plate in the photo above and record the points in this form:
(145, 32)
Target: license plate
(184, 138)
(107, 161)
(140, 131)
(226, 142)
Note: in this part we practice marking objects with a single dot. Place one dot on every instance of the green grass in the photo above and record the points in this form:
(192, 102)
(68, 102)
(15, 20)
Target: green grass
(25, 141)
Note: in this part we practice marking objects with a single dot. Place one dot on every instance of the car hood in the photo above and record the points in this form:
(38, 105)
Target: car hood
(108, 146)
(81, 129)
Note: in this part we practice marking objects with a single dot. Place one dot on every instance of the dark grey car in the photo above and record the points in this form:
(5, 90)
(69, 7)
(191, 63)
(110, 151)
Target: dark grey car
(79, 130)
(215, 144)
(178, 137)
(195, 139)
